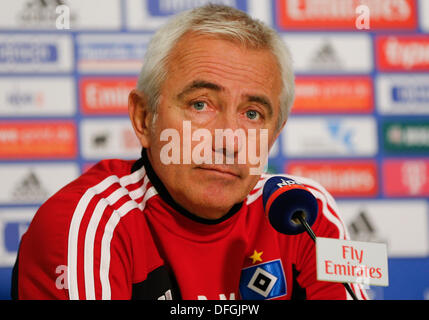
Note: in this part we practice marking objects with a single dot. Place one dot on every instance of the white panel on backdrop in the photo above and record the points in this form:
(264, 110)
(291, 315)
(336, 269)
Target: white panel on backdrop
(402, 224)
(330, 52)
(111, 53)
(330, 137)
(37, 53)
(32, 183)
(37, 96)
(403, 93)
(109, 138)
(150, 15)
(261, 10)
(43, 15)
(424, 15)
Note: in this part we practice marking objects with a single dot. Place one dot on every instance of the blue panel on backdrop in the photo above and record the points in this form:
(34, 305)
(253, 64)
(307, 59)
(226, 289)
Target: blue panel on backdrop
(408, 279)
(5, 281)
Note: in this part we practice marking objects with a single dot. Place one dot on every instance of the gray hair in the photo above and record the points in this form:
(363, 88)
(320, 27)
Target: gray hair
(217, 20)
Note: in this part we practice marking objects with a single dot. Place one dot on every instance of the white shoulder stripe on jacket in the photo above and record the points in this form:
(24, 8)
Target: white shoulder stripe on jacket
(95, 217)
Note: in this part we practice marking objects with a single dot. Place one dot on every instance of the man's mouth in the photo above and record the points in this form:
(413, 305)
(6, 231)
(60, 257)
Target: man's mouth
(221, 170)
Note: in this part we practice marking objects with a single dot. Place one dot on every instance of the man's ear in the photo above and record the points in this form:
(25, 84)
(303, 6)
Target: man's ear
(140, 116)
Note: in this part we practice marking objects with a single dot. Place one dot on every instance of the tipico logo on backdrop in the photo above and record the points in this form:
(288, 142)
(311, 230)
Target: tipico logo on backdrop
(402, 52)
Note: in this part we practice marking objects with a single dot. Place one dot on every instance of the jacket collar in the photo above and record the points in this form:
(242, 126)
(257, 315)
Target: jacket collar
(162, 191)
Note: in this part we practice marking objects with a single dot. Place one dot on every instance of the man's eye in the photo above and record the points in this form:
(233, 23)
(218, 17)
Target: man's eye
(252, 114)
(199, 105)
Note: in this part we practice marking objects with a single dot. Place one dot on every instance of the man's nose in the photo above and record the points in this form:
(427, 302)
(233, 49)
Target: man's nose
(229, 137)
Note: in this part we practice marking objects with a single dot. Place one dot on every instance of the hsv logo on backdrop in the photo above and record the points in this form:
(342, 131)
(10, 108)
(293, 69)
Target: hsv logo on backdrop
(341, 14)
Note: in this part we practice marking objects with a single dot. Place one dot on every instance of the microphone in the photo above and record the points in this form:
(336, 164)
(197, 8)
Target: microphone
(291, 209)
(289, 206)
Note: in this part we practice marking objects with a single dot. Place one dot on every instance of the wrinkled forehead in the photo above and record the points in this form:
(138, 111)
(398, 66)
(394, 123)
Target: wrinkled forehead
(234, 38)
(202, 57)
(194, 48)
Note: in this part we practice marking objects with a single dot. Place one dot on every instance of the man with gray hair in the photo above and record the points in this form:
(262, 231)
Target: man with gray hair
(186, 221)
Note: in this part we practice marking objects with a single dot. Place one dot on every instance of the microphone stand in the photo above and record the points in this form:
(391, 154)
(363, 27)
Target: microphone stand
(300, 217)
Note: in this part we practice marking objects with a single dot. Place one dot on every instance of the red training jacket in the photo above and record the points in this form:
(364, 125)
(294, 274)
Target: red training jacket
(115, 233)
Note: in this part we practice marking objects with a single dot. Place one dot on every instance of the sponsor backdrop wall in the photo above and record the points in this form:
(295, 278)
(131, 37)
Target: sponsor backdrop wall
(360, 124)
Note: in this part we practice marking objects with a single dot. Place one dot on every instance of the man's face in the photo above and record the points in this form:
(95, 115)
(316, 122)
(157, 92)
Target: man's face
(213, 84)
